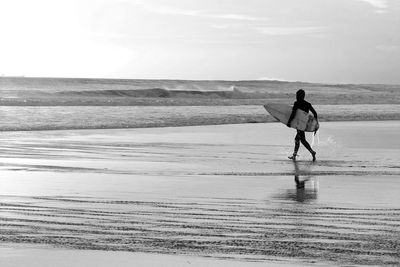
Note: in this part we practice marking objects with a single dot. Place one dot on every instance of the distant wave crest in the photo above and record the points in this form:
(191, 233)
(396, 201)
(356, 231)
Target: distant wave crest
(161, 93)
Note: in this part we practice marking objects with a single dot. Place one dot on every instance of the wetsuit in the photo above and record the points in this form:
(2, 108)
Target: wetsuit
(303, 105)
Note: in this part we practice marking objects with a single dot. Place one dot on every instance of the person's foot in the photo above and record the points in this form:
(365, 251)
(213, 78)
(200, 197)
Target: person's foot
(313, 156)
(293, 157)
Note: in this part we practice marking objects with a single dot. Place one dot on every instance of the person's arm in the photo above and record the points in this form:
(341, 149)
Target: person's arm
(313, 112)
(292, 115)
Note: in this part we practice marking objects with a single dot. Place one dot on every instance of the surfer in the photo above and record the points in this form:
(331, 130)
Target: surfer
(301, 136)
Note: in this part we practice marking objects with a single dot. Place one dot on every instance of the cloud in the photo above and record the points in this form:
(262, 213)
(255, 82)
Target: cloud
(388, 48)
(169, 10)
(172, 11)
(380, 5)
(221, 26)
(290, 30)
(235, 17)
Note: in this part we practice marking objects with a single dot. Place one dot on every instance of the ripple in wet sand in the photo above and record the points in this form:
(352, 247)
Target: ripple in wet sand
(244, 229)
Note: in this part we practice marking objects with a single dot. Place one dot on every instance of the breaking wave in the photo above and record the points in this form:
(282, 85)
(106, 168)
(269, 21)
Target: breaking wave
(161, 92)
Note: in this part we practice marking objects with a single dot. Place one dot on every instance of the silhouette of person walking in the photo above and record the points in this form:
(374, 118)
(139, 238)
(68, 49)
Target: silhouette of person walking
(301, 136)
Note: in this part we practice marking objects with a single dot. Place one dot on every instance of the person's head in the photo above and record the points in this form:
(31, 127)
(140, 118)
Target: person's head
(300, 94)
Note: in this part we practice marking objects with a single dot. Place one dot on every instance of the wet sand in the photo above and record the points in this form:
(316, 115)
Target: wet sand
(203, 195)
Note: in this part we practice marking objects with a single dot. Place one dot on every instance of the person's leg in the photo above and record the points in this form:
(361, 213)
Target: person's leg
(296, 145)
(306, 144)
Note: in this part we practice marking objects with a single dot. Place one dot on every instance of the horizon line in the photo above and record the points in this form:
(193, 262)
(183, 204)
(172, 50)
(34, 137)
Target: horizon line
(200, 80)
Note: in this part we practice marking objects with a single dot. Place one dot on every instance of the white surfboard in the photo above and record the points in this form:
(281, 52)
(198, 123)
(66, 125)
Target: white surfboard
(302, 120)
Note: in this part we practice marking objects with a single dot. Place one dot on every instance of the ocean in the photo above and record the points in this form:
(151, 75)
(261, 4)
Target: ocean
(67, 103)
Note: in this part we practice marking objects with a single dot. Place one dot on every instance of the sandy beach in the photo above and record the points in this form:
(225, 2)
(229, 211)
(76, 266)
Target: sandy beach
(201, 196)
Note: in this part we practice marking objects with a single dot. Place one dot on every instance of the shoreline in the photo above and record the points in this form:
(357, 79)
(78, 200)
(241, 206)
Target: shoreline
(192, 125)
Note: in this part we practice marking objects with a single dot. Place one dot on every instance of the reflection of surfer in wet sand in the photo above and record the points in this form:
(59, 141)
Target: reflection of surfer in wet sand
(301, 136)
(299, 183)
(306, 184)
(303, 194)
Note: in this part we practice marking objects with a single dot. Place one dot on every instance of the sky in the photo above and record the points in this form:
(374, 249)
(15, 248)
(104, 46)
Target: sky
(331, 41)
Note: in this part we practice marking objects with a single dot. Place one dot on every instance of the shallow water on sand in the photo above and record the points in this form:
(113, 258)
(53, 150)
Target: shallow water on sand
(217, 191)
(28, 118)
